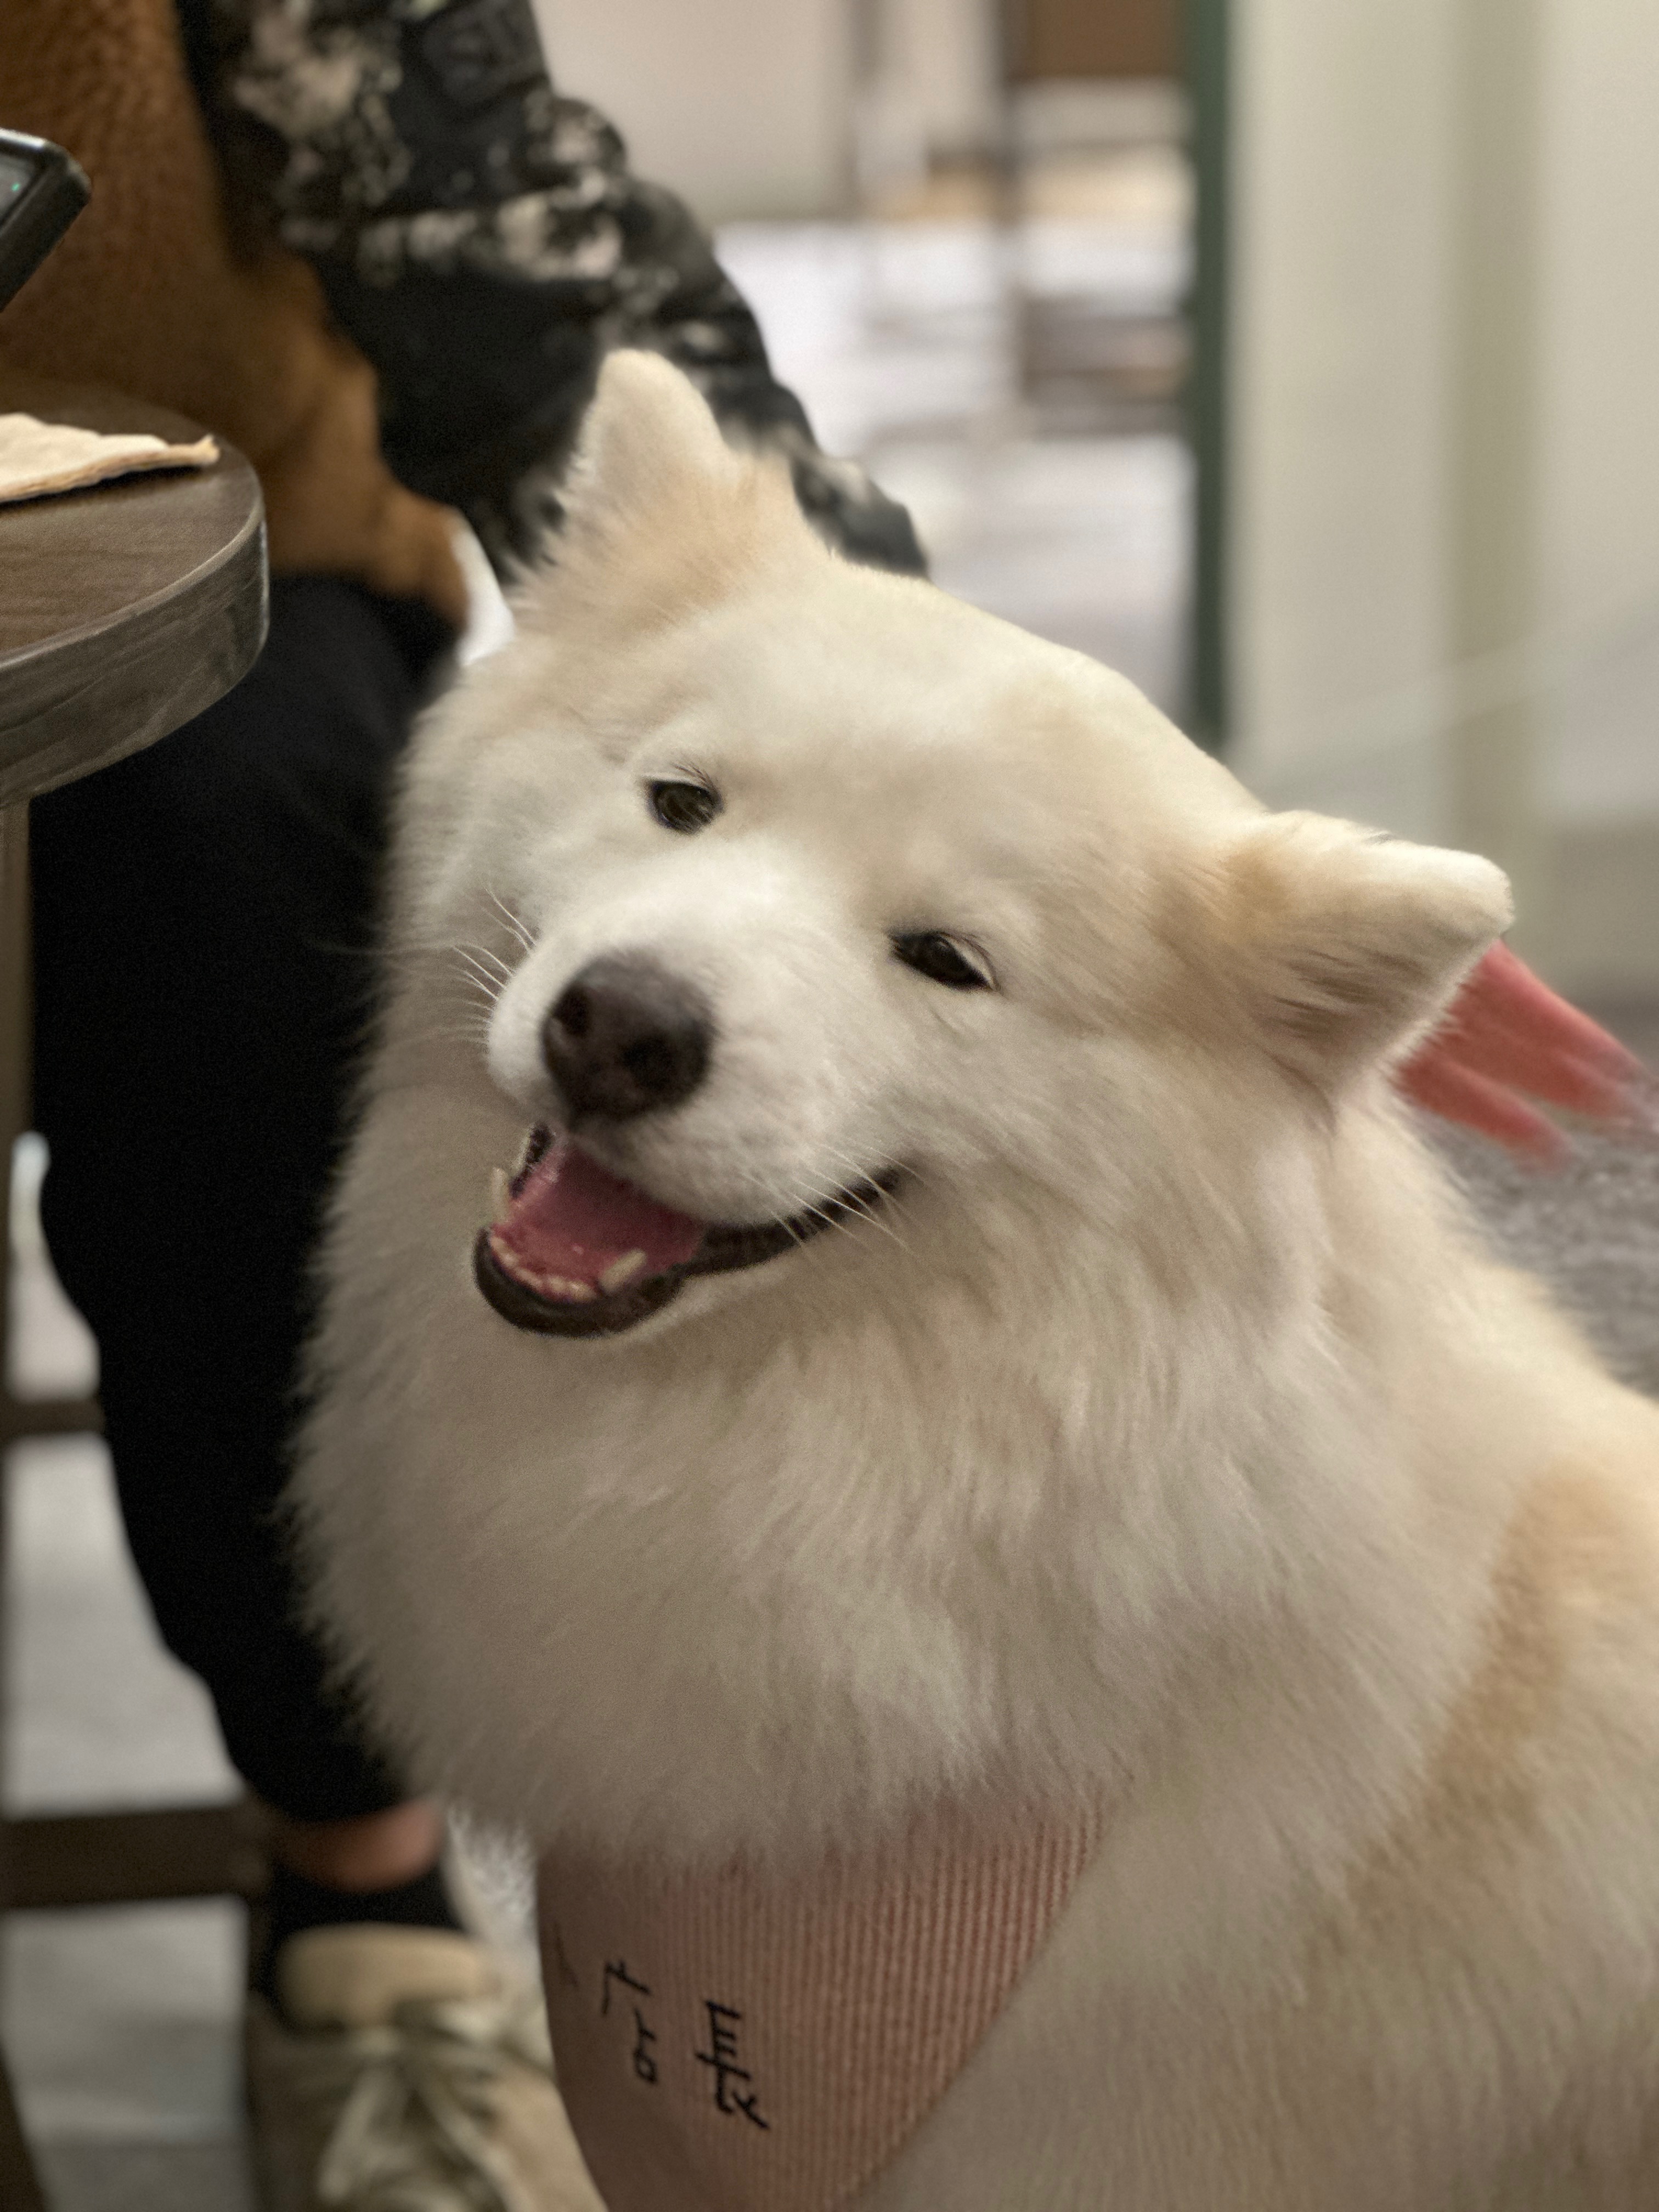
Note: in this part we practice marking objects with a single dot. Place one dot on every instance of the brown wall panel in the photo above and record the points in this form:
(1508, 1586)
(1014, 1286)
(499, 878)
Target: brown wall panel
(1094, 37)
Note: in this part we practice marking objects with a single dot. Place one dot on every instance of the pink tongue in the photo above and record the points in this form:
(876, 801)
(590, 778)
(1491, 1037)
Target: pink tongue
(574, 1218)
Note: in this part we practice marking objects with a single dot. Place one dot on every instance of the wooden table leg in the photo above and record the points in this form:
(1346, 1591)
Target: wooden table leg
(20, 2184)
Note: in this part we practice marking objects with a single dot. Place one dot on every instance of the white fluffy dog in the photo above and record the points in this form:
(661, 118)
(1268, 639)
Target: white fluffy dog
(973, 1370)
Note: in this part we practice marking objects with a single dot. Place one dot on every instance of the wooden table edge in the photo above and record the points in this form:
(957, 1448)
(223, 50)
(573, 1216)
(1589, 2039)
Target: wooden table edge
(225, 597)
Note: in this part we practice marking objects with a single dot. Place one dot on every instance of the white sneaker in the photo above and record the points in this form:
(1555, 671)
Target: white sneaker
(407, 2072)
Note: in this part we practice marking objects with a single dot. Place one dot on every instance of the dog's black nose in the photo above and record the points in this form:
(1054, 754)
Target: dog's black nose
(625, 1038)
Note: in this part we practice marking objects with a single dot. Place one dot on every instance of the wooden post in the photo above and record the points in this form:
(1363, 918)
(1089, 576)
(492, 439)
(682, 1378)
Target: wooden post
(20, 2184)
(1495, 526)
(1207, 706)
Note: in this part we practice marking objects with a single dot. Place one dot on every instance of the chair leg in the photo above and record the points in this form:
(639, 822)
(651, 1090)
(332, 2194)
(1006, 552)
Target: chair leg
(15, 1010)
(19, 2183)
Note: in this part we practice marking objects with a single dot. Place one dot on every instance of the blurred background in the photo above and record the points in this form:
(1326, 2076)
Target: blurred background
(1297, 359)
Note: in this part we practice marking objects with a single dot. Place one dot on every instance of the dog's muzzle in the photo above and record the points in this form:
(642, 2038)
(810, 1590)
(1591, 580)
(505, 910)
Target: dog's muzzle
(577, 1251)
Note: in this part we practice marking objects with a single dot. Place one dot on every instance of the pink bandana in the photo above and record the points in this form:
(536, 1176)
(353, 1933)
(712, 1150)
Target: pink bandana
(738, 2042)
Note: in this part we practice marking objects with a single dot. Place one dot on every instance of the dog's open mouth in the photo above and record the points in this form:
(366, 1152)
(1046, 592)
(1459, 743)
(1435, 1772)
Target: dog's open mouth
(576, 1251)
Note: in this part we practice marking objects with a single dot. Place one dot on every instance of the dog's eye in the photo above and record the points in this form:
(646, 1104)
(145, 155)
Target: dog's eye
(682, 806)
(946, 960)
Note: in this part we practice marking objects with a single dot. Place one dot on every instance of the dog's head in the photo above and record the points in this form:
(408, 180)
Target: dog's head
(824, 900)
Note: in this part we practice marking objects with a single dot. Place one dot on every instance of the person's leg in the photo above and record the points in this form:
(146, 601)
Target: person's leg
(203, 921)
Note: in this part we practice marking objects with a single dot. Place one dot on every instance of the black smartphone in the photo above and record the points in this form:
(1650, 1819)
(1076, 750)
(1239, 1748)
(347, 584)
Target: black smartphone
(42, 190)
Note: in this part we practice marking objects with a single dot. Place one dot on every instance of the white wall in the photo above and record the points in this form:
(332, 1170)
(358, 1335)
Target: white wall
(1339, 403)
(946, 52)
(745, 106)
(1372, 357)
(1600, 481)
(739, 105)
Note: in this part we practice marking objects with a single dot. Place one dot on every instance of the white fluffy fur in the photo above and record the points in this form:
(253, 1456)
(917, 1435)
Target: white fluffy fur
(1170, 1436)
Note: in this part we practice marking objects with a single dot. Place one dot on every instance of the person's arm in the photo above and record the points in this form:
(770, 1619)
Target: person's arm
(481, 239)
(147, 293)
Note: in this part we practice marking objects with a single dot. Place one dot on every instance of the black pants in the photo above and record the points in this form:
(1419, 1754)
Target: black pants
(204, 913)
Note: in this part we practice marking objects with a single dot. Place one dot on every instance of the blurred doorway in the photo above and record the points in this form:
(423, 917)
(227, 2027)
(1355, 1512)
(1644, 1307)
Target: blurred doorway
(1066, 223)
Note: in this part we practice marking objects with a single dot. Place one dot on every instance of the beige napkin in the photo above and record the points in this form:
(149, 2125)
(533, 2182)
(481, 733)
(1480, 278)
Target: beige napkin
(38, 456)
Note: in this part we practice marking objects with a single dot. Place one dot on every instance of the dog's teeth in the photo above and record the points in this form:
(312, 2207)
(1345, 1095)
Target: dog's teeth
(573, 1293)
(525, 1150)
(499, 1200)
(622, 1271)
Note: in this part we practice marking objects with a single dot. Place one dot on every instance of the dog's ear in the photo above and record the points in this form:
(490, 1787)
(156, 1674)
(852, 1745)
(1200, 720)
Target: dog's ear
(658, 508)
(649, 436)
(1343, 946)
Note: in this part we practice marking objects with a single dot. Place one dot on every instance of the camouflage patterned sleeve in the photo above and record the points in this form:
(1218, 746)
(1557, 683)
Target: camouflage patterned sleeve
(483, 241)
